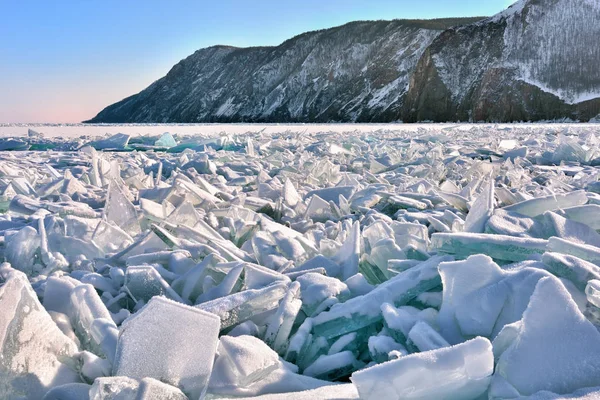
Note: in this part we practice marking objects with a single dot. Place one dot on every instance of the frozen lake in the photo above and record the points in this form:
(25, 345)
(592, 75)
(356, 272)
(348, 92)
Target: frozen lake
(95, 130)
(446, 260)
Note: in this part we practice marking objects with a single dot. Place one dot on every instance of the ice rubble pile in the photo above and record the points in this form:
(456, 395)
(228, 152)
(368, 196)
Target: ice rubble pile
(462, 264)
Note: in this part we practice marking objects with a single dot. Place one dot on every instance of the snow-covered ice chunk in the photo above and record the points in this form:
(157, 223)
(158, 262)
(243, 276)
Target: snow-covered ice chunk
(381, 346)
(334, 366)
(152, 389)
(461, 372)
(317, 288)
(69, 391)
(538, 206)
(187, 336)
(248, 359)
(246, 366)
(36, 355)
(572, 268)
(583, 251)
(581, 394)
(553, 347)
(480, 298)
(424, 338)
(114, 388)
(328, 392)
(125, 388)
(555, 225)
(401, 320)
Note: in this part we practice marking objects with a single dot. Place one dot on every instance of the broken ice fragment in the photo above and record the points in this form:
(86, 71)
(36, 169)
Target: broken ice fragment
(572, 268)
(363, 311)
(115, 142)
(188, 336)
(166, 141)
(124, 388)
(240, 307)
(481, 210)
(36, 355)
(348, 255)
(290, 194)
(332, 194)
(231, 283)
(424, 338)
(592, 291)
(120, 210)
(461, 372)
(499, 247)
(110, 238)
(327, 392)
(538, 206)
(480, 298)
(333, 367)
(22, 251)
(583, 251)
(69, 391)
(248, 358)
(10, 144)
(588, 214)
(552, 342)
(279, 326)
(86, 307)
(144, 282)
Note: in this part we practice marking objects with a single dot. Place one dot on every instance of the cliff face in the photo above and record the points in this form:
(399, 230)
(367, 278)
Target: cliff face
(537, 60)
(356, 72)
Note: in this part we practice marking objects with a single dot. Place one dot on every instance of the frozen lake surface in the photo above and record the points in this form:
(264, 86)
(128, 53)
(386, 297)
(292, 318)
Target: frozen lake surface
(426, 261)
(94, 130)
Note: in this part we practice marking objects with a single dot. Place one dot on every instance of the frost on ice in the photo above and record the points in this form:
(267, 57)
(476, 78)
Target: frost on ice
(428, 263)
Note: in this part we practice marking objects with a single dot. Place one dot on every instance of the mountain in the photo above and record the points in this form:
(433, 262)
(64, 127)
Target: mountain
(356, 72)
(537, 60)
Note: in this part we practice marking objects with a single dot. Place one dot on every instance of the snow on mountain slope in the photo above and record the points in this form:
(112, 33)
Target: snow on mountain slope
(359, 71)
(536, 60)
(554, 44)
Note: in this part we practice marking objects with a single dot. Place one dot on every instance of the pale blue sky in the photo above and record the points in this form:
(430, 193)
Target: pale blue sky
(63, 61)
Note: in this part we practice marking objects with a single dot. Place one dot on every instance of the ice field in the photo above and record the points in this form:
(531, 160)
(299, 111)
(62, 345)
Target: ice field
(300, 262)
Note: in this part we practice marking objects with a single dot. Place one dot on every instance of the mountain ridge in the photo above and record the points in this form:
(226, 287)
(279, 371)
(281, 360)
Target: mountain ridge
(448, 69)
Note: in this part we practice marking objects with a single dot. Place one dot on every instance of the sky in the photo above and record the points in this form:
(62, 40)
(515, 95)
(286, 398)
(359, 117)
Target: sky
(63, 61)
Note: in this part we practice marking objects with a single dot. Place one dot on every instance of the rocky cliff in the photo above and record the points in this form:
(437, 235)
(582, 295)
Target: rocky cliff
(537, 60)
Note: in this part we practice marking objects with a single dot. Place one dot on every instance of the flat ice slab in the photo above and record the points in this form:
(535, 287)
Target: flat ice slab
(170, 342)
